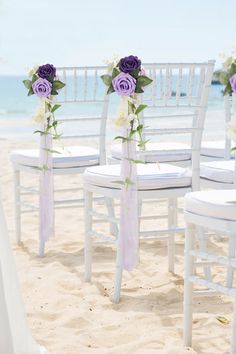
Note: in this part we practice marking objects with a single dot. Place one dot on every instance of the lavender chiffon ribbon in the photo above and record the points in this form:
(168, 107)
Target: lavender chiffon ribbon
(46, 227)
(129, 240)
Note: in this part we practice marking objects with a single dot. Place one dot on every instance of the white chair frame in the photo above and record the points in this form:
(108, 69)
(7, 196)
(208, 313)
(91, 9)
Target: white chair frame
(165, 99)
(230, 109)
(229, 104)
(70, 76)
(194, 222)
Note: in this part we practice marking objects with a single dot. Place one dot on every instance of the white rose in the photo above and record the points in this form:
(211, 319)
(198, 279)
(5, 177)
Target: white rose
(40, 115)
(231, 129)
(33, 70)
(112, 62)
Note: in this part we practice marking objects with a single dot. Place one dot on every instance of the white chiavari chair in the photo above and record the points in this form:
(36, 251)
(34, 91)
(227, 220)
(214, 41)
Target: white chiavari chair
(171, 115)
(211, 211)
(84, 96)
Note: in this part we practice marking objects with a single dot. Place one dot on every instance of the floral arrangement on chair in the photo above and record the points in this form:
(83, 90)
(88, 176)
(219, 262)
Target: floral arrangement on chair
(127, 78)
(45, 85)
(227, 76)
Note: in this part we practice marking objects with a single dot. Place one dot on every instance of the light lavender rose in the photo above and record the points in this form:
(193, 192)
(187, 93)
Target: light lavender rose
(124, 84)
(42, 87)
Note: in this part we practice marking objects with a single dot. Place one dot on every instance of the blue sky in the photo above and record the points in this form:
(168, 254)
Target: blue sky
(80, 32)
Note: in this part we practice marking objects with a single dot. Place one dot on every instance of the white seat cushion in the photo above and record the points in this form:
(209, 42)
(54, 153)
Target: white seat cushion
(218, 171)
(213, 204)
(150, 176)
(70, 156)
(162, 152)
(213, 148)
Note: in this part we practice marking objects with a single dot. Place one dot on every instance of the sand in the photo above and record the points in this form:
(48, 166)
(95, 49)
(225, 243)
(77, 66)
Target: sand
(69, 316)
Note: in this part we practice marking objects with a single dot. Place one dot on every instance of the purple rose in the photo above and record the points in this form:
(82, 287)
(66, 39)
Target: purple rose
(124, 84)
(47, 71)
(232, 81)
(130, 63)
(42, 87)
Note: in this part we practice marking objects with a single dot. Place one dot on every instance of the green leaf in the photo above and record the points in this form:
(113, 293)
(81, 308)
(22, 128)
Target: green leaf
(27, 83)
(119, 182)
(232, 70)
(135, 161)
(55, 107)
(52, 151)
(44, 168)
(128, 182)
(143, 143)
(143, 81)
(40, 132)
(34, 78)
(57, 85)
(107, 79)
(122, 138)
(54, 92)
(135, 73)
(132, 132)
(131, 106)
(228, 89)
(57, 136)
(115, 72)
(140, 108)
(233, 149)
(224, 78)
(31, 92)
(138, 89)
(110, 89)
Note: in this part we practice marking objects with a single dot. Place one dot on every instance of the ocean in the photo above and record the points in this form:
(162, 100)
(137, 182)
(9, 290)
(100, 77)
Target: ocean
(17, 109)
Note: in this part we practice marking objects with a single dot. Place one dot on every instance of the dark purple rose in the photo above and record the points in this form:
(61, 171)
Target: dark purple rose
(47, 71)
(130, 63)
(124, 84)
(232, 81)
(42, 87)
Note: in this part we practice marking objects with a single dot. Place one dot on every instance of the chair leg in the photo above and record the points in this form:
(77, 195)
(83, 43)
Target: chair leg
(118, 276)
(54, 211)
(111, 212)
(202, 239)
(188, 285)
(17, 205)
(231, 254)
(233, 335)
(140, 204)
(172, 221)
(88, 205)
(41, 248)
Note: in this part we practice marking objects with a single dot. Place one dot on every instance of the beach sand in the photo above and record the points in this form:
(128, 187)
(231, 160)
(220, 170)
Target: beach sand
(69, 316)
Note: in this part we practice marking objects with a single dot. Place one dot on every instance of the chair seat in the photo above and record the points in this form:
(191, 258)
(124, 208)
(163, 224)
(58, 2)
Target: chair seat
(162, 152)
(218, 171)
(213, 148)
(150, 176)
(213, 204)
(69, 157)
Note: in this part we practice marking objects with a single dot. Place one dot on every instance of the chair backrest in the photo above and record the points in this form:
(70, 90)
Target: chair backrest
(85, 105)
(177, 102)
